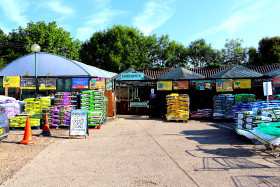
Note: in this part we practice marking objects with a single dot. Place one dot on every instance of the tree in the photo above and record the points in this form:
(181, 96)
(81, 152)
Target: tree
(234, 53)
(201, 54)
(269, 50)
(50, 38)
(253, 56)
(3, 49)
(119, 48)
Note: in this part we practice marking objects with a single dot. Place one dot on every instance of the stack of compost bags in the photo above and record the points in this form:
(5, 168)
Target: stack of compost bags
(12, 107)
(252, 118)
(66, 99)
(259, 104)
(36, 105)
(177, 106)
(20, 121)
(241, 98)
(201, 113)
(96, 104)
(223, 106)
(229, 102)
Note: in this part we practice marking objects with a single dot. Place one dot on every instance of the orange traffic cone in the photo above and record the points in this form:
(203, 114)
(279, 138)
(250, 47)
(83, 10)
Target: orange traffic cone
(27, 139)
(46, 127)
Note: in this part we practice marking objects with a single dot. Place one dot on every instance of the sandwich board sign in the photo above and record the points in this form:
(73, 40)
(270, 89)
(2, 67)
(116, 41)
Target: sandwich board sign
(78, 123)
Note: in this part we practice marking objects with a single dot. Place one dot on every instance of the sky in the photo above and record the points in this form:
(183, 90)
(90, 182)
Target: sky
(183, 20)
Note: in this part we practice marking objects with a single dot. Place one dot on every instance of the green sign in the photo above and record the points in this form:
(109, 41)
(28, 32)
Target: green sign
(132, 76)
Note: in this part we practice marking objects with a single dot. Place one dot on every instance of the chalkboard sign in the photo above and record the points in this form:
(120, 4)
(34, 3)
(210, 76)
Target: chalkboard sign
(47, 84)
(28, 83)
(78, 124)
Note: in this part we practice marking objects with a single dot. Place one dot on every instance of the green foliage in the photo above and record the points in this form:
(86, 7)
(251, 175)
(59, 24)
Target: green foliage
(50, 38)
(213, 65)
(269, 50)
(253, 56)
(234, 53)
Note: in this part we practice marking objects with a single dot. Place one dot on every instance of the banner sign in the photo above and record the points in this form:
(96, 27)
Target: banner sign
(180, 85)
(97, 83)
(78, 123)
(109, 84)
(79, 83)
(47, 83)
(224, 85)
(138, 104)
(164, 85)
(28, 83)
(242, 84)
(11, 81)
(132, 76)
(276, 81)
(203, 85)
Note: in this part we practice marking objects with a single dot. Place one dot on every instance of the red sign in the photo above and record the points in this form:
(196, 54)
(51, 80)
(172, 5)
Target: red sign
(180, 85)
(276, 81)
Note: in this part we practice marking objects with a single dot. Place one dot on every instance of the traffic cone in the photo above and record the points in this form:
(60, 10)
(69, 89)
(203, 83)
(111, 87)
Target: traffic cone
(27, 139)
(46, 127)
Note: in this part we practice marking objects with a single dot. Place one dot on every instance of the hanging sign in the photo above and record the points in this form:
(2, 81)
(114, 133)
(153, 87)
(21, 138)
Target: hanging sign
(164, 85)
(224, 85)
(276, 82)
(242, 84)
(47, 83)
(79, 83)
(132, 76)
(97, 83)
(138, 104)
(180, 85)
(78, 123)
(203, 85)
(11, 81)
(28, 83)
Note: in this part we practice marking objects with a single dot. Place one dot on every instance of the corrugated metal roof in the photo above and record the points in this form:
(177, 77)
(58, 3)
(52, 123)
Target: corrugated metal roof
(181, 73)
(237, 72)
(273, 73)
(49, 64)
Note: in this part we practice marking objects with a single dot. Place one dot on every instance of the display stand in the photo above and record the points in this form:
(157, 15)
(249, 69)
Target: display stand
(78, 124)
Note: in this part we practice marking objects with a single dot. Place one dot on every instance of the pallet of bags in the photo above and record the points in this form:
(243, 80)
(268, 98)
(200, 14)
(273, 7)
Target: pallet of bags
(201, 113)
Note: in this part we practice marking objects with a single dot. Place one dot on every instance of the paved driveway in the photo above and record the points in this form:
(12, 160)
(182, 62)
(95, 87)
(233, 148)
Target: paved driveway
(138, 151)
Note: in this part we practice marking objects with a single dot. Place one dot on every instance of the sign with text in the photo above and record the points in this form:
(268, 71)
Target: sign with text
(138, 104)
(276, 82)
(203, 85)
(224, 85)
(164, 85)
(28, 83)
(47, 83)
(78, 123)
(242, 84)
(97, 83)
(11, 81)
(79, 83)
(267, 89)
(180, 85)
(132, 76)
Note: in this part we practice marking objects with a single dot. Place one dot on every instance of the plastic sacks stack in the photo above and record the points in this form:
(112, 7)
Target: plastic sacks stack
(20, 121)
(96, 104)
(241, 98)
(253, 105)
(36, 105)
(11, 105)
(223, 106)
(250, 119)
(177, 106)
(201, 113)
(59, 116)
(69, 99)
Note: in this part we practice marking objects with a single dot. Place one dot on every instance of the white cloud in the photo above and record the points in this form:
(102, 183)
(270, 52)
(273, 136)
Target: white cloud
(58, 7)
(100, 4)
(155, 14)
(13, 10)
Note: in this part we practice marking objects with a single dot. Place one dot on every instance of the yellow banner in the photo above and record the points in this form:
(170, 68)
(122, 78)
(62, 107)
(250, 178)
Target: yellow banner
(11, 81)
(224, 85)
(164, 85)
(242, 84)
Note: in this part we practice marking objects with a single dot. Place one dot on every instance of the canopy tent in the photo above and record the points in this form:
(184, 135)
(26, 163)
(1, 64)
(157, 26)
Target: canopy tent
(49, 64)
(237, 72)
(181, 74)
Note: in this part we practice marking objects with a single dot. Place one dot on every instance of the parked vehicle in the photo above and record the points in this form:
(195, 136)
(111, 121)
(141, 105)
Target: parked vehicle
(4, 124)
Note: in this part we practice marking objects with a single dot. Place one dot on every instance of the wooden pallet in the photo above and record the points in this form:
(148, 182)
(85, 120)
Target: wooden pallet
(177, 120)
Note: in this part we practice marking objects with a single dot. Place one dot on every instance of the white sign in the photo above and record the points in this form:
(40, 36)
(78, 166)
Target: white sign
(267, 88)
(152, 90)
(78, 125)
(138, 104)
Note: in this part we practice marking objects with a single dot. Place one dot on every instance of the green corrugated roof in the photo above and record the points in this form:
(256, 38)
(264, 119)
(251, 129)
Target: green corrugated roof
(237, 72)
(181, 73)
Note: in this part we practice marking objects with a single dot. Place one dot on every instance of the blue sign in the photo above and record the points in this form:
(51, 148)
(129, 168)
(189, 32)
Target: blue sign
(80, 83)
(132, 76)
(153, 95)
